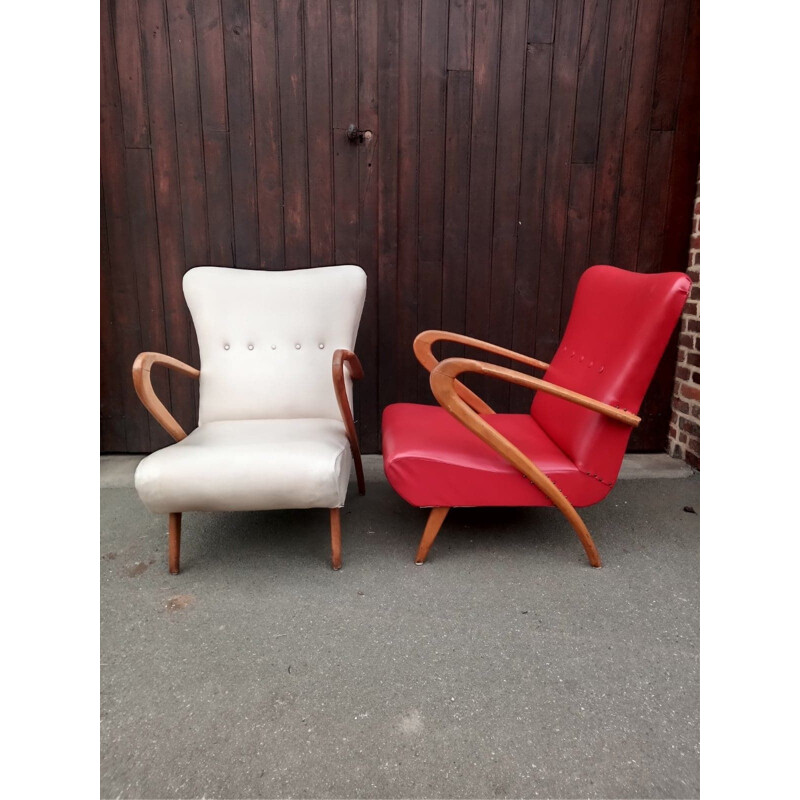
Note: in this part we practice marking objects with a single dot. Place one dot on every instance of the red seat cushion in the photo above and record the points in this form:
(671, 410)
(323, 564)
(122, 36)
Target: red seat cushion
(431, 459)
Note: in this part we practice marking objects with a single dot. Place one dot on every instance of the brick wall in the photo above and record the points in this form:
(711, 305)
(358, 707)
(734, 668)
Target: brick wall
(684, 428)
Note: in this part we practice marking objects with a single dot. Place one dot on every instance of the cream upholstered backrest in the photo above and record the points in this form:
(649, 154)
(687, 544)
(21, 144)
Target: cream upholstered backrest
(267, 339)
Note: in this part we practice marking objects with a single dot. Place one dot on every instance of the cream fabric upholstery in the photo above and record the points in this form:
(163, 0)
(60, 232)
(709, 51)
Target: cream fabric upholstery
(249, 465)
(293, 321)
(270, 432)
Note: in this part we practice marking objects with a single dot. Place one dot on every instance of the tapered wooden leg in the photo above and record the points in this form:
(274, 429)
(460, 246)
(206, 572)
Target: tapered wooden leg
(174, 544)
(336, 539)
(583, 534)
(435, 520)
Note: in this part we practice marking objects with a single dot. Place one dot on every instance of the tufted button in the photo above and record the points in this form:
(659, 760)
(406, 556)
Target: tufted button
(321, 346)
(227, 347)
(249, 347)
(297, 347)
(274, 346)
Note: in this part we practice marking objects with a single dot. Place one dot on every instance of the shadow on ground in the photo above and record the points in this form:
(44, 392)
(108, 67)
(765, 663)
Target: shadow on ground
(504, 667)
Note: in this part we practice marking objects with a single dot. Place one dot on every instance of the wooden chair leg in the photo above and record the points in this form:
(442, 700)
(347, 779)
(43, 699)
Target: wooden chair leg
(336, 539)
(435, 520)
(583, 534)
(174, 543)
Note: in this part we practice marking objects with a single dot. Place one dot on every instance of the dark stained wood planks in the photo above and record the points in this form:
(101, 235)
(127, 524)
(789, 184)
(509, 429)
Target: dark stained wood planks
(509, 146)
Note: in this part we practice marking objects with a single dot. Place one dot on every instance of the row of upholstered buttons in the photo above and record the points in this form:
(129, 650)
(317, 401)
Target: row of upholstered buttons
(601, 368)
(273, 347)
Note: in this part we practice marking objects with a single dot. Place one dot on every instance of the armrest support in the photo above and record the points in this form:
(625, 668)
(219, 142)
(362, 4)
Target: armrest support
(443, 384)
(340, 358)
(144, 389)
(422, 350)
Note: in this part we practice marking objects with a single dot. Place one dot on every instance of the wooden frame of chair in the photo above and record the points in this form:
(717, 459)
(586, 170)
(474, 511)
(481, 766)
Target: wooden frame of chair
(466, 407)
(144, 389)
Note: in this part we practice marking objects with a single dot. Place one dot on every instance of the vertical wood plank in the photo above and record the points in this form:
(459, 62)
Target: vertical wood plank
(538, 73)
(461, 15)
(191, 158)
(122, 274)
(149, 286)
(594, 32)
(214, 109)
(318, 114)
(669, 68)
(388, 120)
(557, 179)
(542, 21)
(133, 95)
(456, 204)
(344, 72)
(619, 50)
(267, 119)
(158, 76)
(654, 203)
(239, 80)
(636, 140)
(579, 223)
(686, 153)
(368, 199)
(186, 93)
(294, 138)
(513, 46)
(482, 166)
(112, 417)
(434, 54)
(404, 329)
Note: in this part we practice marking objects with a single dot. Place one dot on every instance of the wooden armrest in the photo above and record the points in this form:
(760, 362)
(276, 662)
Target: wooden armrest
(443, 384)
(422, 350)
(340, 358)
(144, 389)
(446, 372)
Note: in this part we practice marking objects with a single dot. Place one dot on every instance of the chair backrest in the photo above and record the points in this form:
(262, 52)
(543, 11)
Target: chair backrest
(618, 329)
(267, 339)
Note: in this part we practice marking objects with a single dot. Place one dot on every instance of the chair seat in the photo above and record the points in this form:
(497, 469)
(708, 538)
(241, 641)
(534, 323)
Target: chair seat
(249, 465)
(432, 460)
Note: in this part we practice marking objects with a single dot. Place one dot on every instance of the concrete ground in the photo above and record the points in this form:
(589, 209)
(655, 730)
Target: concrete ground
(504, 667)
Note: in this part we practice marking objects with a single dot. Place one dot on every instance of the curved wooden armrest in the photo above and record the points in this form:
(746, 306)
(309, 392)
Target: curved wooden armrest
(144, 389)
(340, 358)
(443, 384)
(422, 350)
(446, 372)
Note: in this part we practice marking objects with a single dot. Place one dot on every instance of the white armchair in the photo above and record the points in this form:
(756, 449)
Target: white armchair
(275, 426)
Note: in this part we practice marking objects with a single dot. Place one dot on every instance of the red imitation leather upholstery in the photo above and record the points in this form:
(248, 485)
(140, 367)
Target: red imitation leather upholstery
(617, 332)
(431, 459)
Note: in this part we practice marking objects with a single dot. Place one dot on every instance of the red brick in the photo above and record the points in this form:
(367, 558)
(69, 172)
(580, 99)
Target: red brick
(694, 243)
(693, 460)
(690, 392)
(683, 373)
(686, 340)
(681, 406)
(693, 359)
(695, 293)
(693, 325)
(695, 377)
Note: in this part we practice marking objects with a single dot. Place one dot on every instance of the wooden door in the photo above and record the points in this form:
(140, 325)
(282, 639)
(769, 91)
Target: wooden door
(512, 144)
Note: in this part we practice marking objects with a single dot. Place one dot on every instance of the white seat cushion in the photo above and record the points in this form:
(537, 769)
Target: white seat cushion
(249, 465)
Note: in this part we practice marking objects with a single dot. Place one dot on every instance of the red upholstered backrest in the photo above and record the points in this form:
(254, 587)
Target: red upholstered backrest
(618, 329)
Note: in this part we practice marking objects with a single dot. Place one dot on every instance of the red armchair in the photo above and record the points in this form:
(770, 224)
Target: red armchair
(568, 450)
